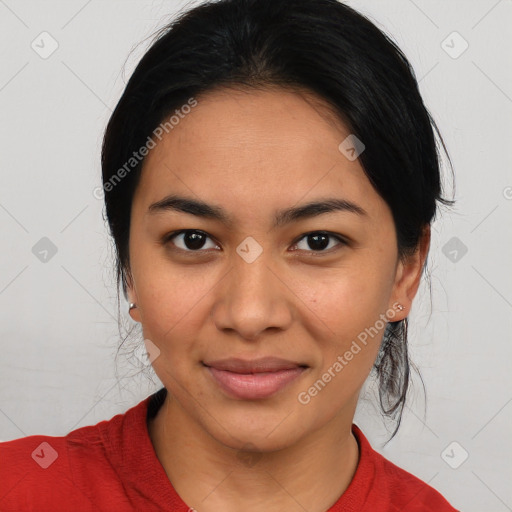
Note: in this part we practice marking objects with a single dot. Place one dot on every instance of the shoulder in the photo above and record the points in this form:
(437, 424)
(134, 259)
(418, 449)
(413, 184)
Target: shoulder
(397, 487)
(36, 470)
(71, 472)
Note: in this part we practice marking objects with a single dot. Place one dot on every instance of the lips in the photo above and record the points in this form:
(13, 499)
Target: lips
(264, 364)
(253, 379)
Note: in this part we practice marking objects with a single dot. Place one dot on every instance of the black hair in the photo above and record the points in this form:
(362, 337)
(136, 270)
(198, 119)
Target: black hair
(320, 46)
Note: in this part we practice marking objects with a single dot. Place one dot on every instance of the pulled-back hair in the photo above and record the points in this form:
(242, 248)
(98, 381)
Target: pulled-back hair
(320, 46)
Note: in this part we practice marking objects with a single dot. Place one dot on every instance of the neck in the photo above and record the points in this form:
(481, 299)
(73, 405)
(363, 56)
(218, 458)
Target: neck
(209, 476)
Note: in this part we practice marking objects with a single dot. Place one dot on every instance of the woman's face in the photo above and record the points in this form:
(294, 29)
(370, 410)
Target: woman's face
(247, 282)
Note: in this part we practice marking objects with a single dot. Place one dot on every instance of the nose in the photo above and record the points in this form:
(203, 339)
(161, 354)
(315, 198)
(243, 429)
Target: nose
(252, 299)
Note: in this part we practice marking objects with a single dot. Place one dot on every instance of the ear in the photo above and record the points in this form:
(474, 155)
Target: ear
(131, 293)
(408, 275)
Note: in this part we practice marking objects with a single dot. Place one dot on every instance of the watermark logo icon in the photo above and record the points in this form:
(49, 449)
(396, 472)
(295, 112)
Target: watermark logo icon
(45, 455)
(44, 250)
(454, 455)
(454, 249)
(351, 147)
(147, 352)
(454, 45)
(44, 45)
(249, 249)
(249, 455)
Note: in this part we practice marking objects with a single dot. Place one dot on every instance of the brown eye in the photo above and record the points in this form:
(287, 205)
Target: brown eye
(319, 241)
(190, 240)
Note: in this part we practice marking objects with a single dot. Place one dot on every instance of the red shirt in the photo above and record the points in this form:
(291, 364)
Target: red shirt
(113, 467)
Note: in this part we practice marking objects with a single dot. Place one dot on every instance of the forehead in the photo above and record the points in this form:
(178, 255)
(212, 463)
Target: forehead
(240, 119)
(253, 148)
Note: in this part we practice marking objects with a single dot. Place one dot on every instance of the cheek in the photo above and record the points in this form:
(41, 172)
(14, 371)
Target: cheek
(172, 301)
(353, 307)
(352, 299)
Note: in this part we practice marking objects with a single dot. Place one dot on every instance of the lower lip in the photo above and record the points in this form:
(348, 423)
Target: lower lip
(254, 386)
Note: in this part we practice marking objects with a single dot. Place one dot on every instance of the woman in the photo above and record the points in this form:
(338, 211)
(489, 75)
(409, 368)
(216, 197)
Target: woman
(270, 176)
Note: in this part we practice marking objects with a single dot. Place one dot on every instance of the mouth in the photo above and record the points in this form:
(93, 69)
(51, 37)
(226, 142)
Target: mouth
(253, 379)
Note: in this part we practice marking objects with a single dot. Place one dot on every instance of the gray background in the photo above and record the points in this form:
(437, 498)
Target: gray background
(59, 313)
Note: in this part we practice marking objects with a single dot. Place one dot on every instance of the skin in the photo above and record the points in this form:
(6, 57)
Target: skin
(253, 153)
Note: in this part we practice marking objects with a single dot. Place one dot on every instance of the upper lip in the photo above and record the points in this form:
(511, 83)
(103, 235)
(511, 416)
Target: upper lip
(264, 364)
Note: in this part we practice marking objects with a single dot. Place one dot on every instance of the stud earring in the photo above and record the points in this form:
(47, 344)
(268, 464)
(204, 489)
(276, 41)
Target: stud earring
(132, 305)
(400, 307)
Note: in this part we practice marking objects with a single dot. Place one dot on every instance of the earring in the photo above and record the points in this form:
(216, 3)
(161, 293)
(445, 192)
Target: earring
(400, 307)
(132, 305)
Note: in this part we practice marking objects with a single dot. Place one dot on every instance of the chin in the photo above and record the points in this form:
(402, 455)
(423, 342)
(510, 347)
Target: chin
(248, 440)
(263, 431)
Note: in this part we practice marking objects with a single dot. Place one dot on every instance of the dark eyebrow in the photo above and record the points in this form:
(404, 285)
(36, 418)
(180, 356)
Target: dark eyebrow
(282, 217)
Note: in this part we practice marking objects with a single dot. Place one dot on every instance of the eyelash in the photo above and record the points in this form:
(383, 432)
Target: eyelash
(168, 238)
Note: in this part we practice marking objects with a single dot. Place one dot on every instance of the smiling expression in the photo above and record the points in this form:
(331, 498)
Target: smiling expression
(252, 236)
